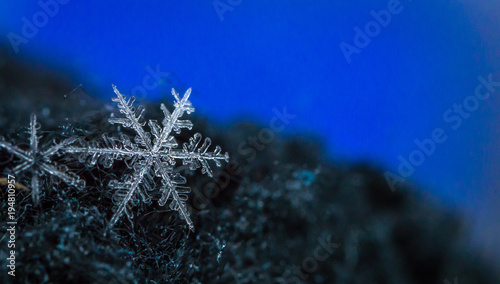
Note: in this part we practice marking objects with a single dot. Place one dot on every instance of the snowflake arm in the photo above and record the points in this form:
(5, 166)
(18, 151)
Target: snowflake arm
(126, 192)
(178, 194)
(198, 157)
(21, 154)
(34, 138)
(132, 118)
(107, 151)
(63, 173)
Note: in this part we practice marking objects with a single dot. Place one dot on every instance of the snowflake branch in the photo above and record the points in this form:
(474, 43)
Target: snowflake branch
(15, 150)
(134, 183)
(178, 204)
(132, 117)
(34, 126)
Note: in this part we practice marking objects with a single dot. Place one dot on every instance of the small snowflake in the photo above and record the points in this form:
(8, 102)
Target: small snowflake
(150, 156)
(39, 162)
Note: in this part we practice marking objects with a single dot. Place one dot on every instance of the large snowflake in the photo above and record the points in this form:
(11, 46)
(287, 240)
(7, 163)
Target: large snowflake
(38, 160)
(150, 156)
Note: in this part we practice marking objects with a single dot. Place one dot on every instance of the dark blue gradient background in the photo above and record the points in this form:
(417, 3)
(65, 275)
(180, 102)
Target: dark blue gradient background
(270, 54)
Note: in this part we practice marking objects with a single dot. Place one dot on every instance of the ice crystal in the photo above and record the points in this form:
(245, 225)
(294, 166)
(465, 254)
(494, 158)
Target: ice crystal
(38, 160)
(149, 156)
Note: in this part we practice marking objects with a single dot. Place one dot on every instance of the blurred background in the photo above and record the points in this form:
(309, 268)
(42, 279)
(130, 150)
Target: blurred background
(367, 95)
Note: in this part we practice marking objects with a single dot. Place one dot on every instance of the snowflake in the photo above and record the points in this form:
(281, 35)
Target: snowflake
(149, 158)
(39, 161)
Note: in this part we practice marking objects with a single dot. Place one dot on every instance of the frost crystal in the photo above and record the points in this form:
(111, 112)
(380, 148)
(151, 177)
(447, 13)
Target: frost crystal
(150, 156)
(39, 162)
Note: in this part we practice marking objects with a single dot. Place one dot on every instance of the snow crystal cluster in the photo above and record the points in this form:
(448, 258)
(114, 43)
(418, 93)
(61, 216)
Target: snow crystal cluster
(150, 155)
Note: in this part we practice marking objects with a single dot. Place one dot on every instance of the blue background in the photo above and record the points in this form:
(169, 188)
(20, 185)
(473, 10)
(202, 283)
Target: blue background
(270, 54)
